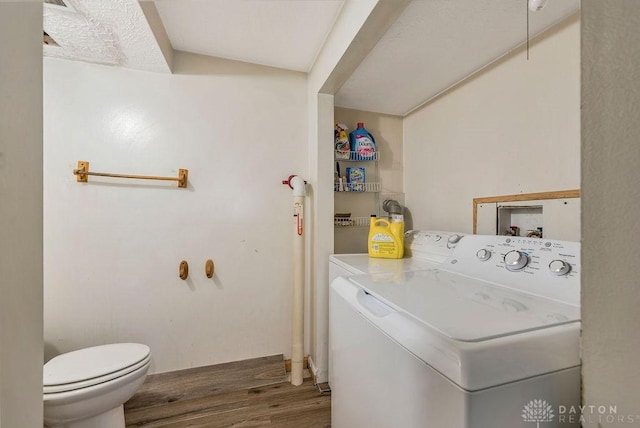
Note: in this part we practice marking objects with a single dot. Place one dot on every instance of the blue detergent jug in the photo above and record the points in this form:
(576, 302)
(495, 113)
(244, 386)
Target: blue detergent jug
(363, 145)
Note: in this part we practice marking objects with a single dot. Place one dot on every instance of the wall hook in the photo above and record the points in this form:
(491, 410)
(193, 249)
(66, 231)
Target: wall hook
(209, 268)
(184, 269)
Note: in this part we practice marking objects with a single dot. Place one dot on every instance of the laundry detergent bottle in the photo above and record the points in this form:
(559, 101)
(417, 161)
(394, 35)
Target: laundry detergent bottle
(386, 238)
(363, 145)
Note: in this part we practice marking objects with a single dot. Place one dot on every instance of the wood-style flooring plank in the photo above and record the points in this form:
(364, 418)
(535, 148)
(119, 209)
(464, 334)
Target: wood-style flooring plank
(164, 413)
(179, 385)
(304, 407)
(280, 405)
(211, 422)
(315, 418)
(242, 416)
(239, 394)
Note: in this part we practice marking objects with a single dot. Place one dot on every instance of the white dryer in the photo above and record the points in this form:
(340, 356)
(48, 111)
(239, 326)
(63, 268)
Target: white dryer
(489, 339)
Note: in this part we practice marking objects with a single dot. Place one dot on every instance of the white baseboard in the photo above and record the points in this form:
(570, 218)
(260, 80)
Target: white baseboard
(313, 370)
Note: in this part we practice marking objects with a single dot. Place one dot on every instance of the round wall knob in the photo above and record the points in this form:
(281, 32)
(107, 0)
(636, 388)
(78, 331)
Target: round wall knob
(515, 260)
(483, 254)
(559, 267)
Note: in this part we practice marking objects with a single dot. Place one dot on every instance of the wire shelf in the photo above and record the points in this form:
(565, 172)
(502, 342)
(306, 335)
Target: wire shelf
(351, 221)
(358, 188)
(355, 156)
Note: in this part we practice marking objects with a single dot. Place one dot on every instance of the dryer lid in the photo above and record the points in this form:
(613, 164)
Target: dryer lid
(465, 309)
(94, 362)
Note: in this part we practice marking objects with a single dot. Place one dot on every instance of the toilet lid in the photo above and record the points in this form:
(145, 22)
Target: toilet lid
(99, 363)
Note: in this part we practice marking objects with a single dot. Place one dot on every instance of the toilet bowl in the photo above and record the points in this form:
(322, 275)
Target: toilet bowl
(87, 388)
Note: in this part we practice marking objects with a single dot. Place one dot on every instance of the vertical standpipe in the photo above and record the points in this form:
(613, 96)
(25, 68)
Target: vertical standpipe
(297, 330)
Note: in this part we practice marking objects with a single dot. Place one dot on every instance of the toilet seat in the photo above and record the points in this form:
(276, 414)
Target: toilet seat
(91, 366)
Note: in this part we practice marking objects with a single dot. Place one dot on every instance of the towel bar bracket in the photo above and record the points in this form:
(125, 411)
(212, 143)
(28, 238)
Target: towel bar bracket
(81, 172)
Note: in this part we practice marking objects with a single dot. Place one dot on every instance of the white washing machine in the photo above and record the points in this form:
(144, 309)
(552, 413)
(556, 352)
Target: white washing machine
(424, 249)
(489, 339)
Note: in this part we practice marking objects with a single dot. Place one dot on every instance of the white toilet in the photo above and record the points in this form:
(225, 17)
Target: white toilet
(87, 388)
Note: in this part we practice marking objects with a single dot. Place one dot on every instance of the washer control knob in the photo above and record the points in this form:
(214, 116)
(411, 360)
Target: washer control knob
(559, 267)
(515, 260)
(454, 239)
(483, 255)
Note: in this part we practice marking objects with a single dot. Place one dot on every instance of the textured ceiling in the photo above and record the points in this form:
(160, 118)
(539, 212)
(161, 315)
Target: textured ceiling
(113, 32)
(436, 44)
(279, 33)
(432, 46)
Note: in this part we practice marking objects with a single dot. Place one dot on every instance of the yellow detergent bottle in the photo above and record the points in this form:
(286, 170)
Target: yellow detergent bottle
(386, 238)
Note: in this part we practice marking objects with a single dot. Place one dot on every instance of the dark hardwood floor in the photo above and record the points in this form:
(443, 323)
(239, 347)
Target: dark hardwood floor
(250, 393)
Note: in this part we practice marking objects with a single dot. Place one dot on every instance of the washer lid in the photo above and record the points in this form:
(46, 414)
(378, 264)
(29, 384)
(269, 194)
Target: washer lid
(465, 309)
(94, 362)
(473, 366)
(362, 263)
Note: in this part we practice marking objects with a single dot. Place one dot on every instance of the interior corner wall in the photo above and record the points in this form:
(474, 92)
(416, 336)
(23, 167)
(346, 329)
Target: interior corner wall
(610, 207)
(321, 204)
(513, 128)
(21, 356)
(387, 131)
(353, 15)
(113, 246)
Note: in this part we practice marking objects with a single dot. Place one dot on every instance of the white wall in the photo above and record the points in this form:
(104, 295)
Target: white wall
(610, 206)
(21, 214)
(514, 128)
(112, 247)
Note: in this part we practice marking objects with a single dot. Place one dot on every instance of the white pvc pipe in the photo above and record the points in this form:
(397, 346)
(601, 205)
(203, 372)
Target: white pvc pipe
(297, 330)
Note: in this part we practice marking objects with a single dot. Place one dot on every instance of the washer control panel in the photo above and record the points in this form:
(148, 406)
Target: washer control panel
(430, 244)
(544, 267)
